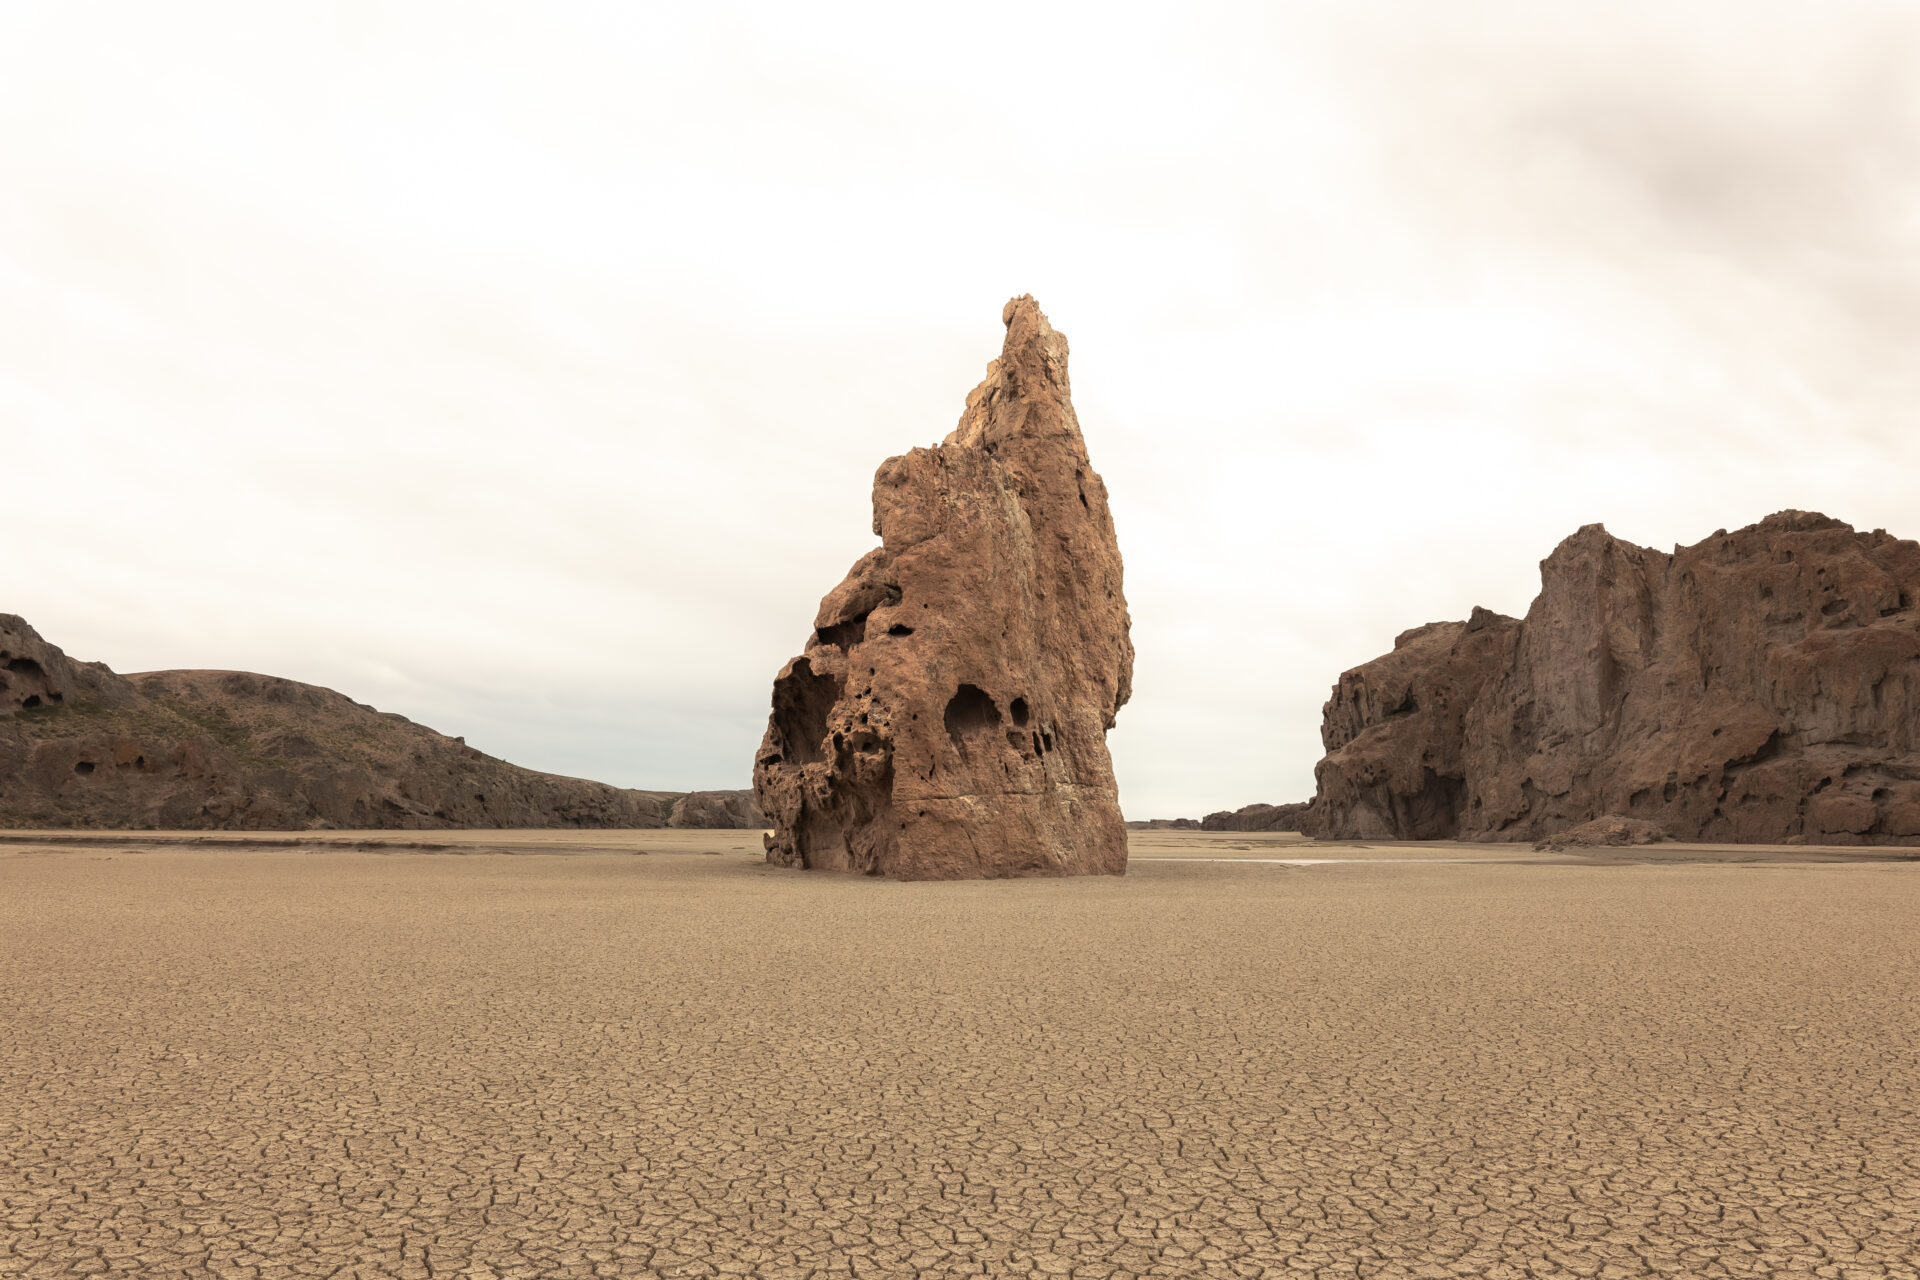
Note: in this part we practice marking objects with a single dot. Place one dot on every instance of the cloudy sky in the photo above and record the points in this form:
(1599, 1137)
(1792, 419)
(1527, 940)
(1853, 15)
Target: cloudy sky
(524, 368)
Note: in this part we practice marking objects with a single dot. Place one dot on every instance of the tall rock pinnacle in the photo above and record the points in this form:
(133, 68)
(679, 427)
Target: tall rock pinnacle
(948, 719)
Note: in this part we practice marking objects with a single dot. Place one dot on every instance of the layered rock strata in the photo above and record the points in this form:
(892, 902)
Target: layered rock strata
(83, 747)
(948, 717)
(1758, 686)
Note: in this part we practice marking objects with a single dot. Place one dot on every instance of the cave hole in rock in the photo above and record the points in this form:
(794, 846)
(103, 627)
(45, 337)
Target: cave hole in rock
(1018, 710)
(26, 667)
(32, 701)
(971, 713)
(1433, 812)
(801, 702)
(844, 634)
(83, 767)
(1407, 705)
(1017, 740)
(899, 629)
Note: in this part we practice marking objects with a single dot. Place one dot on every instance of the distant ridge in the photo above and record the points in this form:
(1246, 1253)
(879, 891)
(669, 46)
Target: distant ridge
(81, 746)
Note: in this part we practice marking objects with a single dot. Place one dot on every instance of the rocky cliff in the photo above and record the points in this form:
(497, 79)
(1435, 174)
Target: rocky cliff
(949, 715)
(1257, 817)
(723, 809)
(1759, 686)
(82, 746)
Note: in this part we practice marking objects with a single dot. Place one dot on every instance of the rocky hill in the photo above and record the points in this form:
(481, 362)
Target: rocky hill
(1762, 685)
(83, 746)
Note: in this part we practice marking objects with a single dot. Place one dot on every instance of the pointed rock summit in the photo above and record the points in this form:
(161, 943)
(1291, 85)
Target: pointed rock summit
(948, 719)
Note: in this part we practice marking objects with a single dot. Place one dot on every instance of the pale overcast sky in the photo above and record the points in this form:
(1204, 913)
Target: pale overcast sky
(524, 368)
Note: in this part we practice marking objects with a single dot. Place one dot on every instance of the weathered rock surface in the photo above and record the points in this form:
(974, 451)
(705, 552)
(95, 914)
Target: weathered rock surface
(1258, 817)
(83, 747)
(1611, 831)
(728, 809)
(1162, 824)
(1757, 686)
(948, 718)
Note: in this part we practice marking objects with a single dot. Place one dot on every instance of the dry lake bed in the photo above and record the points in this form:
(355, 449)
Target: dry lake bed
(533, 1054)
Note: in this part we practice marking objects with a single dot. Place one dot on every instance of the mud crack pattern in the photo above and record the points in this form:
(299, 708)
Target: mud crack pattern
(349, 1065)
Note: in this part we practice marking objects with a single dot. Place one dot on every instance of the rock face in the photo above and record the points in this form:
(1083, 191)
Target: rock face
(728, 809)
(1757, 686)
(1257, 817)
(82, 746)
(948, 718)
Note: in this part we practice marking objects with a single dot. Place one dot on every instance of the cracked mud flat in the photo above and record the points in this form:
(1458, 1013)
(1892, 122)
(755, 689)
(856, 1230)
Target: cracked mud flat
(259, 1061)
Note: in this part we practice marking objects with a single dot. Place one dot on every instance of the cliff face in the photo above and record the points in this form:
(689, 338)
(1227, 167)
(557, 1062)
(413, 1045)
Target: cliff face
(1755, 687)
(82, 746)
(949, 715)
(1257, 817)
(721, 809)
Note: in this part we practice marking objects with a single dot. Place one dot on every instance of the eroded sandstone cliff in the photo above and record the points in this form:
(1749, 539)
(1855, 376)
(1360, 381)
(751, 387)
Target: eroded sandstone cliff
(1759, 686)
(949, 715)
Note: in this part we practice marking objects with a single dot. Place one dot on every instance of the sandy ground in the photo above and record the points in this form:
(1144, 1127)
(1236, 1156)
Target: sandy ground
(249, 1060)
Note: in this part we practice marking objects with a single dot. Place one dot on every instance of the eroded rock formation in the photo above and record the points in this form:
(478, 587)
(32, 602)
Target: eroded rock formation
(83, 747)
(722, 809)
(949, 715)
(1757, 686)
(1257, 817)
(1609, 831)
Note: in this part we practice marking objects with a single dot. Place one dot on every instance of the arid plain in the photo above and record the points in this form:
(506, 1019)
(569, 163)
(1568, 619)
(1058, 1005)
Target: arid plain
(649, 1053)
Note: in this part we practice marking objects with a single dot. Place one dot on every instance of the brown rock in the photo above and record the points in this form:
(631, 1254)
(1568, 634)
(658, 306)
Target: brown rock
(948, 718)
(1611, 831)
(83, 747)
(1758, 685)
(716, 809)
(1258, 817)
(36, 676)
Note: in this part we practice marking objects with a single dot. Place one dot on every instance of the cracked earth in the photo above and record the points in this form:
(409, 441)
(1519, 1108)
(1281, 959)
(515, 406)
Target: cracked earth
(272, 1063)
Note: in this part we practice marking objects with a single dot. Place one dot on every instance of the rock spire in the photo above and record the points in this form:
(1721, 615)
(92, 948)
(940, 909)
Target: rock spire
(948, 718)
